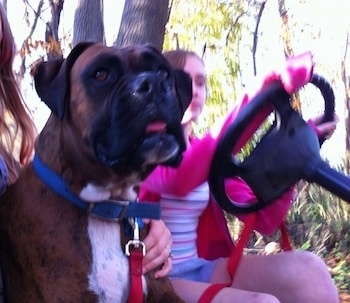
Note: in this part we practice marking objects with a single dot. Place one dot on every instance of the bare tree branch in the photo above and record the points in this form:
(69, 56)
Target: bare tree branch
(256, 33)
(232, 26)
(27, 43)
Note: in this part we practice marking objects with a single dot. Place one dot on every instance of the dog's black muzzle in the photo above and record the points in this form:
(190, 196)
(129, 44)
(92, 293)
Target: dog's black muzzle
(144, 124)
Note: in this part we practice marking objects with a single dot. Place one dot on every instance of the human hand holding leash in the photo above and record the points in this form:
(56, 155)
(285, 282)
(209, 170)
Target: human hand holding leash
(158, 243)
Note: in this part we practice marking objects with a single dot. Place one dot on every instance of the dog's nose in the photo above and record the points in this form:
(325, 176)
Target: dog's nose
(146, 83)
(144, 88)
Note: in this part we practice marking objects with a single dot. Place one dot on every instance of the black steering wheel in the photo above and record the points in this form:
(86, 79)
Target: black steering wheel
(288, 152)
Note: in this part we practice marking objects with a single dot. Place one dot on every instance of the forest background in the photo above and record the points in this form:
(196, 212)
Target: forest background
(237, 39)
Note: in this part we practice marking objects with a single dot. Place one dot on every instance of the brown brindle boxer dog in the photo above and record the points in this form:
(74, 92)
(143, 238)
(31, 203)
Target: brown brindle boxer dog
(116, 114)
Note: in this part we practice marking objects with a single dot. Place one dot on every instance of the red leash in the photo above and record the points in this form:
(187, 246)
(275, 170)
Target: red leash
(285, 239)
(135, 262)
(233, 262)
(209, 294)
(135, 250)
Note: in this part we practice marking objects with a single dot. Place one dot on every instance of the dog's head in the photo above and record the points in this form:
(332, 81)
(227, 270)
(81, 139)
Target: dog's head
(125, 104)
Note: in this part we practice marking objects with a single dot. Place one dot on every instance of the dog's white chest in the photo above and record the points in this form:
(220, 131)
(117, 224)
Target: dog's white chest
(109, 277)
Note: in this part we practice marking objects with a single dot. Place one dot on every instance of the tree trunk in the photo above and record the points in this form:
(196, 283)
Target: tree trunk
(143, 21)
(88, 22)
(51, 32)
(346, 82)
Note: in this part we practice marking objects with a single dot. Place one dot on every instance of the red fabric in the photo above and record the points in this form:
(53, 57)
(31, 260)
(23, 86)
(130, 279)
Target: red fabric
(214, 240)
(285, 239)
(135, 264)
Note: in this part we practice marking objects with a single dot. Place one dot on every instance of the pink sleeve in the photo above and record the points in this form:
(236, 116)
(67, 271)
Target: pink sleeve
(194, 168)
(269, 217)
(192, 172)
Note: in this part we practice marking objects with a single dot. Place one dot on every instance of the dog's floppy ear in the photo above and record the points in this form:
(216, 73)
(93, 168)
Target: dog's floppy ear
(51, 79)
(183, 84)
(50, 84)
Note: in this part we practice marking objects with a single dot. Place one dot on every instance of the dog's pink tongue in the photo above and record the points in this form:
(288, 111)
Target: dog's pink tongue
(156, 127)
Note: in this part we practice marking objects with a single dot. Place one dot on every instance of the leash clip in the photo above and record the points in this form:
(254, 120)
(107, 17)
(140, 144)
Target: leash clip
(135, 242)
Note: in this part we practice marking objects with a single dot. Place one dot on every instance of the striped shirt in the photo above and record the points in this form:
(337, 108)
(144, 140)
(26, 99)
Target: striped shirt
(181, 215)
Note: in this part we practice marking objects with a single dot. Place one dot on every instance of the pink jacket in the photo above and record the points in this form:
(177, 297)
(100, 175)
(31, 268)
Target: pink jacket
(194, 169)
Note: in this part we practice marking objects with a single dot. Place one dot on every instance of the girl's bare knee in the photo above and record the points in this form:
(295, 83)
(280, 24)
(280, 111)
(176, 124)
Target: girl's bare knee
(314, 280)
(229, 295)
(314, 266)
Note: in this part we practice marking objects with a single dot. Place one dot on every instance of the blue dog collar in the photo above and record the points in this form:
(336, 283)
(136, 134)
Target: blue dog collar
(108, 209)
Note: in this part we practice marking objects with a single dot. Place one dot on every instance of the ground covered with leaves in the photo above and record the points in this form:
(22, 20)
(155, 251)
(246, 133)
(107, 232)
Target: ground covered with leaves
(330, 240)
(338, 263)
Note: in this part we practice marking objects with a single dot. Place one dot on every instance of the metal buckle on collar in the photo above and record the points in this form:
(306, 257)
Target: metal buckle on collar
(107, 208)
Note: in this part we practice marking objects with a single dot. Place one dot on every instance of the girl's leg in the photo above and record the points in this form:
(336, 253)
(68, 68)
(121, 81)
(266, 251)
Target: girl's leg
(290, 276)
(191, 291)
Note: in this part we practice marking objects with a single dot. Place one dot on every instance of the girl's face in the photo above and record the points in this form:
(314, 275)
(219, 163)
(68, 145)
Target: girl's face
(195, 68)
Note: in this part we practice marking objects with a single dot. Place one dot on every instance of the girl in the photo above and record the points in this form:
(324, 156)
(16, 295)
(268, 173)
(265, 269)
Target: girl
(201, 241)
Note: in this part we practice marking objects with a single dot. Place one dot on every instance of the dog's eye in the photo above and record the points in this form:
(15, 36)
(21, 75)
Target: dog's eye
(101, 75)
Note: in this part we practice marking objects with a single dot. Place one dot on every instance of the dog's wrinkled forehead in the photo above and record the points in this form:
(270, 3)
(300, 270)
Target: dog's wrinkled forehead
(132, 59)
(148, 55)
(99, 68)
